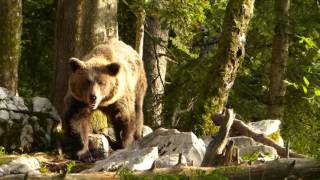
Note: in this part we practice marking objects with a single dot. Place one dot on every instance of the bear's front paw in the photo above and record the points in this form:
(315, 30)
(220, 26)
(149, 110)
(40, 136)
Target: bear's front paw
(85, 157)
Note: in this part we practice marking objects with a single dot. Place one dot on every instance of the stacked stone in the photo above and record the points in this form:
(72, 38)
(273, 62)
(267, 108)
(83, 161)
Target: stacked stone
(26, 126)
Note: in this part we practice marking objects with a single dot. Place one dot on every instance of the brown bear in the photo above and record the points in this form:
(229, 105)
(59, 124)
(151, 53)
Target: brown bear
(110, 78)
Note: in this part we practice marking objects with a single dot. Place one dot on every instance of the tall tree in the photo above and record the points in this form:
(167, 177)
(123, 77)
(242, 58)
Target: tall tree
(224, 66)
(155, 42)
(279, 58)
(81, 25)
(141, 16)
(10, 42)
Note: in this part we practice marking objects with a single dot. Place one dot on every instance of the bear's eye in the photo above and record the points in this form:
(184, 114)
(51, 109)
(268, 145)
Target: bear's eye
(102, 83)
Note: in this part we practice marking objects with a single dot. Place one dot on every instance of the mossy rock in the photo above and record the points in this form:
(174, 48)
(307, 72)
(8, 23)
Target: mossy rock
(99, 121)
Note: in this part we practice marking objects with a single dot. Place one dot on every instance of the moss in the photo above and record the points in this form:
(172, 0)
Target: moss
(44, 169)
(10, 39)
(250, 157)
(275, 136)
(98, 121)
(4, 159)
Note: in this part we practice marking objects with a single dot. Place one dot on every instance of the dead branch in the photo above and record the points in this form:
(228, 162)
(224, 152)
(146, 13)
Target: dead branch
(215, 155)
(243, 129)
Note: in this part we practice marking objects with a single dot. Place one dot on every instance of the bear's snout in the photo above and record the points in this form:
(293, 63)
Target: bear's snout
(93, 98)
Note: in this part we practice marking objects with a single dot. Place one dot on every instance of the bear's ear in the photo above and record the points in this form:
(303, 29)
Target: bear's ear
(113, 69)
(76, 64)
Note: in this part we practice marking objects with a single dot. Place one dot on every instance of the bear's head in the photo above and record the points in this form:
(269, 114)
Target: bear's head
(92, 83)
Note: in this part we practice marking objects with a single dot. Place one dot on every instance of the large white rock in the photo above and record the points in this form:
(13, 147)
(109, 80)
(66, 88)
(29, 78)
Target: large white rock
(266, 127)
(170, 160)
(133, 159)
(171, 141)
(20, 166)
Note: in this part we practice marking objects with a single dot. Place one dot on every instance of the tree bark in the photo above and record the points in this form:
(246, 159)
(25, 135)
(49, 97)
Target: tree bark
(155, 41)
(81, 25)
(140, 31)
(10, 42)
(224, 68)
(279, 59)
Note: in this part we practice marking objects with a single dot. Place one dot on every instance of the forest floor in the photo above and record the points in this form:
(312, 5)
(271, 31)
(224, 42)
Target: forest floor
(53, 167)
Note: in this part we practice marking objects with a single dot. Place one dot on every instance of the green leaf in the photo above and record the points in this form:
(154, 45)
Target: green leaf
(317, 91)
(305, 90)
(306, 81)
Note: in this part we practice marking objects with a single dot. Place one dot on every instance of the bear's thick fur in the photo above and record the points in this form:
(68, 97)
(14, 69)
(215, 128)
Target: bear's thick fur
(110, 78)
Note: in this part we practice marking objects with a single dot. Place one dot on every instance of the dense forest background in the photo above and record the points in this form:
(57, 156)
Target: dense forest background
(193, 29)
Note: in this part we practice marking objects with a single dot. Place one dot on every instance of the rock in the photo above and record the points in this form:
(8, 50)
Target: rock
(23, 129)
(99, 146)
(11, 106)
(266, 127)
(242, 141)
(4, 93)
(110, 133)
(19, 103)
(15, 116)
(270, 128)
(171, 141)
(133, 159)
(26, 137)
(41, 104)
(4, 115)
(171, 160)
(3, 105)
(268, 152)
(146, 130)
(20, 166)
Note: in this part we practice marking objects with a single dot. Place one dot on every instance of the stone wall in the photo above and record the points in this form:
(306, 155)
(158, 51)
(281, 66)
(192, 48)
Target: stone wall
(26, 124)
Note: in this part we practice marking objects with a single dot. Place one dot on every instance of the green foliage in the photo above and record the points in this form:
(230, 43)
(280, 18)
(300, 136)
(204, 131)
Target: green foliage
(126, 174)
(250, 157)
(70, 166)
(44, 169)
(36, 65)
(2, 151)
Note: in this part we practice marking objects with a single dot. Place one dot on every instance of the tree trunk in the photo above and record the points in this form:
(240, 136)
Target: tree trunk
(279, 59)
(140, 31)
(10, 40)
(81, 25)
(224, 68)
(155, 42)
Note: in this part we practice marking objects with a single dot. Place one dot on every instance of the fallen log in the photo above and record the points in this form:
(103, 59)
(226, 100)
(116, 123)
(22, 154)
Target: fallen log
(243, 129)
(286, 168)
